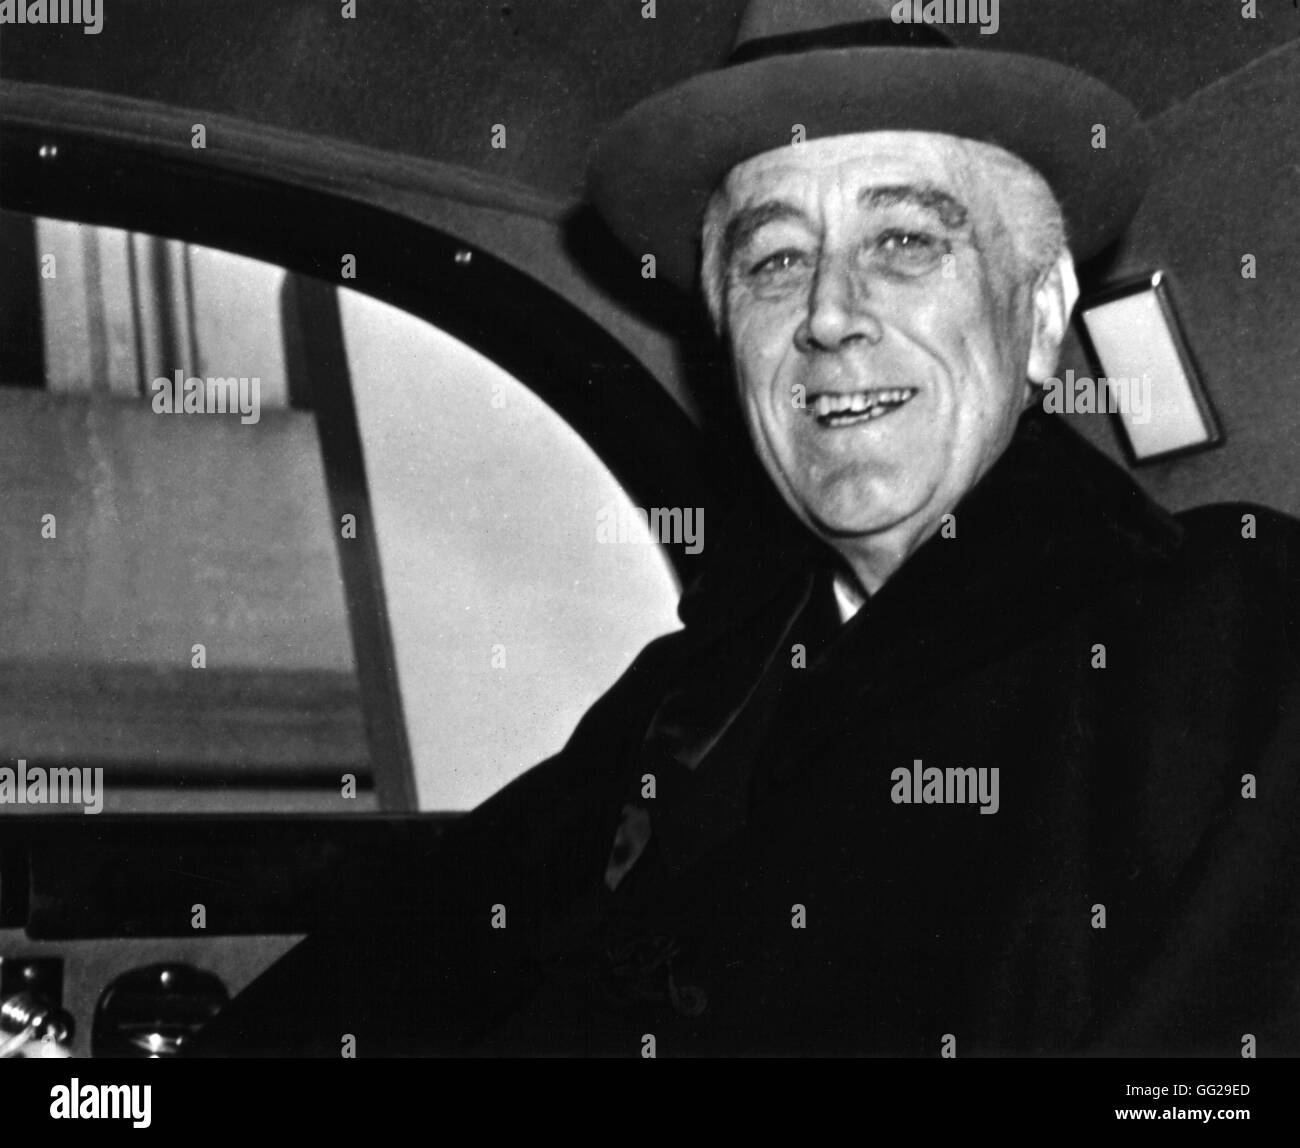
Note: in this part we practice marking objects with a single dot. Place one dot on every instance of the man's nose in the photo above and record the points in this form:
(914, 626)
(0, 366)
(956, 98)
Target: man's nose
(840, 309)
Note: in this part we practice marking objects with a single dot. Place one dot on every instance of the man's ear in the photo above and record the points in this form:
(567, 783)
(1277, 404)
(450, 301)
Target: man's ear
(1055, 294)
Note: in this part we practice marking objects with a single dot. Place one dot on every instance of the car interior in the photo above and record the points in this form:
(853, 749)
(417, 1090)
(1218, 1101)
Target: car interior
(281, 647)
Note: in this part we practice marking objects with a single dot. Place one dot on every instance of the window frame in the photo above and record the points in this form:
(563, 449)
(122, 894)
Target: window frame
(544, 341)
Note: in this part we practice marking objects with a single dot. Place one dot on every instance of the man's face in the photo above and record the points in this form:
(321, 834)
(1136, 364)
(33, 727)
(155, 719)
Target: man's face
(880, 328)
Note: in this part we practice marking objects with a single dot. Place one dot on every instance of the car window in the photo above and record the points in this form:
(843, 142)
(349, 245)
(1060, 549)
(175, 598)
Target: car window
(511, 608)
(173, 608)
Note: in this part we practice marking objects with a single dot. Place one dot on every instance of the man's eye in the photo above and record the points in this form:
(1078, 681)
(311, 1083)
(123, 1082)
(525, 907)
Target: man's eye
(777, 263)
(911, 248)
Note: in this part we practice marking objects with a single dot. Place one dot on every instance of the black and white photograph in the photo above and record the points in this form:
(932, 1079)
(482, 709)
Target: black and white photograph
(650, 529)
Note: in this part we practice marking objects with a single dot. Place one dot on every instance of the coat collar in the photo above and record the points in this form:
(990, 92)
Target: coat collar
(1051, 521)
(1052, 527)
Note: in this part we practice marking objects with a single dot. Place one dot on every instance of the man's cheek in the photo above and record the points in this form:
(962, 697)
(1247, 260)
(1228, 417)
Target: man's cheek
(746, 349)
(757, 316)
(760, 363)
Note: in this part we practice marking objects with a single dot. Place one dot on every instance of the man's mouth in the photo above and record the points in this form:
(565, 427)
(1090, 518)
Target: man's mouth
(853, 407)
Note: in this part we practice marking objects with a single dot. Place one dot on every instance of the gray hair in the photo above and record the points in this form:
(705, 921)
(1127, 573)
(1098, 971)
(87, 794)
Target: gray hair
(1028, 213)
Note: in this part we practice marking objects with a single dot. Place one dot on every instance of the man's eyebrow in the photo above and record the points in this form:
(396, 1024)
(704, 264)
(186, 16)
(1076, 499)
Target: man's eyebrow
(742, 226)
(950, 211)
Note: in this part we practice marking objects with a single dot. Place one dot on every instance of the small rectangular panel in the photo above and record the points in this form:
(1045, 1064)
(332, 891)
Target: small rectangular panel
(1160, 403)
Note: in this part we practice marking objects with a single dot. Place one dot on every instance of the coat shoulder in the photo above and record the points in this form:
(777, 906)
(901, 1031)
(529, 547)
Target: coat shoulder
(1255, 544)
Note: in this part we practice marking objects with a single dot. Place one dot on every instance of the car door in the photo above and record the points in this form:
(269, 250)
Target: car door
(323, 522)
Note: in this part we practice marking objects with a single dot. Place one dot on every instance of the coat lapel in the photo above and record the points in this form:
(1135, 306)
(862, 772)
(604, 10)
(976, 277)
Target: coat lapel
(1050, 528)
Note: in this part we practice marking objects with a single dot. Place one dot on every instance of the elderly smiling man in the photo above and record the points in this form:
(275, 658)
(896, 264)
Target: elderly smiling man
(890, 298)
(966, 747)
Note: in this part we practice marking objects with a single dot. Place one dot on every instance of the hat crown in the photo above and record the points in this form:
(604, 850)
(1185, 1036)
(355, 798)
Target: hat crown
(778, 27)
(765, 19)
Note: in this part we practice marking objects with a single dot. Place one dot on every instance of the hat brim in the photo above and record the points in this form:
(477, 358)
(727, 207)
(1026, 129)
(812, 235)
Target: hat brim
(652, 172)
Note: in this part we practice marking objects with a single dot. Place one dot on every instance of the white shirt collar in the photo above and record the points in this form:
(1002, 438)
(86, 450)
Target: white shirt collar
(848, 598)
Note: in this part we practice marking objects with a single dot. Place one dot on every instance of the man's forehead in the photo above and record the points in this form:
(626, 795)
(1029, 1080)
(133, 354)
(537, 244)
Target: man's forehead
(848, 163)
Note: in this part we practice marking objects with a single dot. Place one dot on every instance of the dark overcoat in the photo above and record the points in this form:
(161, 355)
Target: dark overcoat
(1132, 677)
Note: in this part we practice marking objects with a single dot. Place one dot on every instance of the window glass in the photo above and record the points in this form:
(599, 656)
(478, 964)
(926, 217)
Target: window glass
(172, 603)
(509, 614)
(171, 609)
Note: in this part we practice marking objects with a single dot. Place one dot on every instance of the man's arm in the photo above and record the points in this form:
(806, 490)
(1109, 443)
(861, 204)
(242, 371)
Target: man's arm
(424, 967)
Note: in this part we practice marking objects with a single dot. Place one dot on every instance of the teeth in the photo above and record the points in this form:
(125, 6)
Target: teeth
(859, 402)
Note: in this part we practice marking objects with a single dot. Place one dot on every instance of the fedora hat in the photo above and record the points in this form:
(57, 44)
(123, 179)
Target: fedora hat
(845, 66)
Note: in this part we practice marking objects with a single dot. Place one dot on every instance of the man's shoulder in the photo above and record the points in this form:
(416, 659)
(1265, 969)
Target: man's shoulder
(1253, 541)
(1214, 515)
(1234, 574)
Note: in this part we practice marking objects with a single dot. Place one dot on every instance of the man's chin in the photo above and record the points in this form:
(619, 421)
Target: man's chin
(839, 524)
(858, 502)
